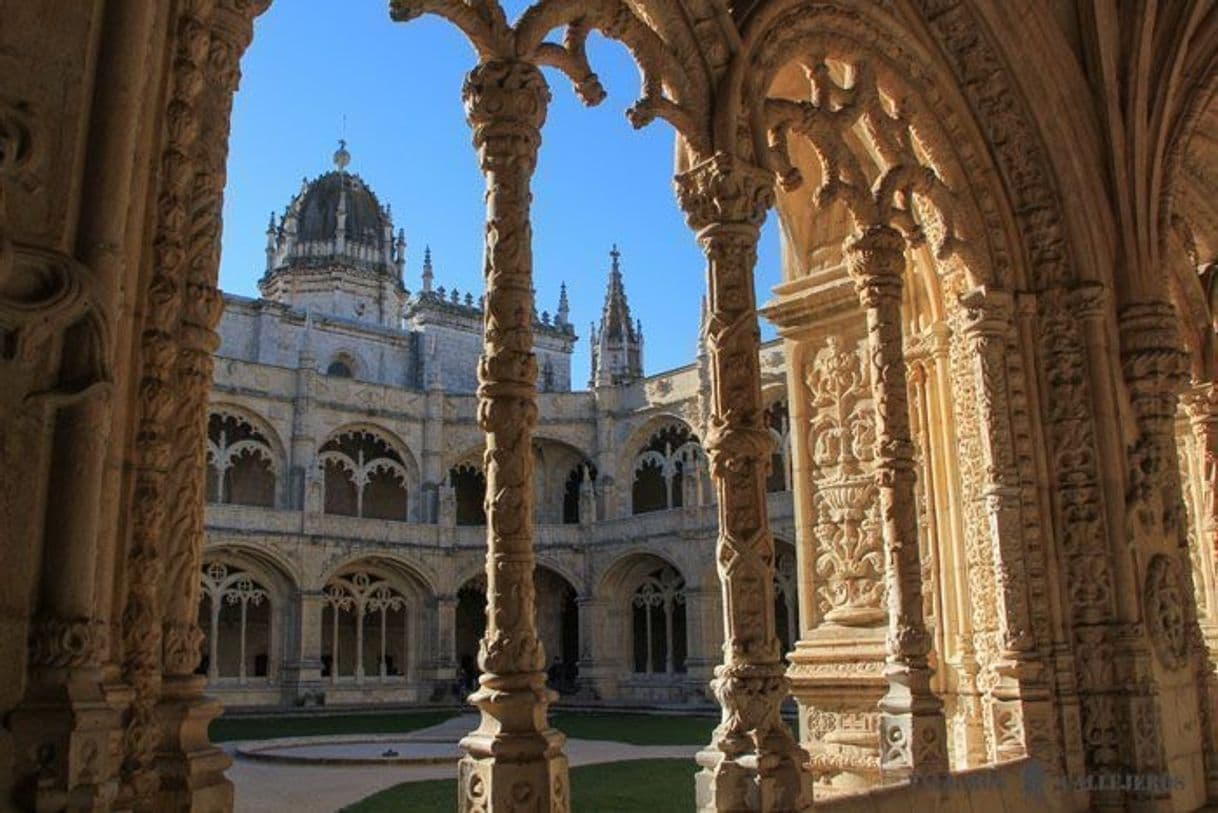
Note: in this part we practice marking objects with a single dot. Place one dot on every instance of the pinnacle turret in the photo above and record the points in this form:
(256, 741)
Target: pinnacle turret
(617, 349)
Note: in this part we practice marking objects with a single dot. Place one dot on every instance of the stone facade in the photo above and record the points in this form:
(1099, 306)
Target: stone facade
(998, 338)
(622, 497)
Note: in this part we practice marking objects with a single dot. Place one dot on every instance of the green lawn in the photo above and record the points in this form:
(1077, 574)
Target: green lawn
(269, 727)
(636, 729)
(644, 785)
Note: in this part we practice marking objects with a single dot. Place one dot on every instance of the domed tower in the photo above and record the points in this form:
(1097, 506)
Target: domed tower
(334, 251)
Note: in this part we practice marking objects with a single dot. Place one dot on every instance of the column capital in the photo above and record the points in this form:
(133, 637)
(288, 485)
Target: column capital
(875, 259)
(987, 312)
(505, 104)
(724, 190)
(1153, 361)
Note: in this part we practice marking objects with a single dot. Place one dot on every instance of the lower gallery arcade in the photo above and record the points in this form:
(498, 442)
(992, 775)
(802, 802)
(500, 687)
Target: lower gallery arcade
(981, 538)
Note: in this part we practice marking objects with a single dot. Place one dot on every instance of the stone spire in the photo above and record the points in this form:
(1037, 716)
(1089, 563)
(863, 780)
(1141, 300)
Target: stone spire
(617, 342)
(271, 233)
(563, 316)
(428, 274)
(399, 257)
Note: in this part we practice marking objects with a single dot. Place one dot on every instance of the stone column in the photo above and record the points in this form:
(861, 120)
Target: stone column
(703, 637)
(64, 723)
(593, 626)
(913, 737)
(302, 672)
(752, 762)
(446, 643)
(1022, 700)
(1201, 405)
(1155, 368)
(514, 759)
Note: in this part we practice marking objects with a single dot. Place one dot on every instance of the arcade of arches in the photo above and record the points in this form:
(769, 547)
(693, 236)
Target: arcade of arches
(998, 359)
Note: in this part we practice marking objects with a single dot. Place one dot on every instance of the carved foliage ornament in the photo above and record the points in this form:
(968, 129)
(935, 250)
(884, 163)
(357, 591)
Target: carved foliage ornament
(1165, 610)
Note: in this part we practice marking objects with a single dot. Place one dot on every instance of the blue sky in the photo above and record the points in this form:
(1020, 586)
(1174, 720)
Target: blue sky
(314, 63)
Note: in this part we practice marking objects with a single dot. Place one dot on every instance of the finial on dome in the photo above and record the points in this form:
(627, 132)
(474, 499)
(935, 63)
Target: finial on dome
(341, 157)
(616, 256)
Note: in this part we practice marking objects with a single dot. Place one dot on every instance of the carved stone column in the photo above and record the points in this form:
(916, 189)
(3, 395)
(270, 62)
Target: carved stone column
(191, 769)
(155, 432)
(1154, 367)
(913, 737)
(1020, 699)
(752, 762)
(1201, 405)
(514, 759)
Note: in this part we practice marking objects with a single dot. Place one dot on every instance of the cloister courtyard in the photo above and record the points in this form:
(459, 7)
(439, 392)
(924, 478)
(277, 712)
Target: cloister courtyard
(884, 476)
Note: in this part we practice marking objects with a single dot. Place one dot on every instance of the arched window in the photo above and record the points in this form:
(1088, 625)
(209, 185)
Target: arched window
(666, 469)
(469, 492)
(364, 476)
(241, 467)
(579, 495)
(342, 366)
(658, 606)
(235, 611)
(359, 605)
(779, 424)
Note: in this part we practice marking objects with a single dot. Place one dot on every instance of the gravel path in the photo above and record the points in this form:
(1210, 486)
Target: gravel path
(262, 787)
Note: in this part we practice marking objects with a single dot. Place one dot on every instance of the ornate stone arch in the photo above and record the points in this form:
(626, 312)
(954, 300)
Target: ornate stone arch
(361, 458)
(246, 611)
(411, 574)
(243, 452)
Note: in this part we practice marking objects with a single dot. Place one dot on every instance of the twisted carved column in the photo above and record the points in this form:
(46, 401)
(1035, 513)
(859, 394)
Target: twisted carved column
(155, 431)
(192, 770)
(752, 762)
(913, 736)
(514, 760)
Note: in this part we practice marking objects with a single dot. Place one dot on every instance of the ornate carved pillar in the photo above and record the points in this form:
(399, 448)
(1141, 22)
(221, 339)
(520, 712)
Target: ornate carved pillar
(1155, 369)
(752, 762)
(913, 738)
(514, 758)
(1201, 405)
(156, 408)
(191, 769)
(1021, 703)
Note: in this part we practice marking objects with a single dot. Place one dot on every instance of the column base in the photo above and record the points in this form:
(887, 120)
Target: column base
(63, 735)
(739, 782)
(514, 760)
(913, 731)
(190, 767)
